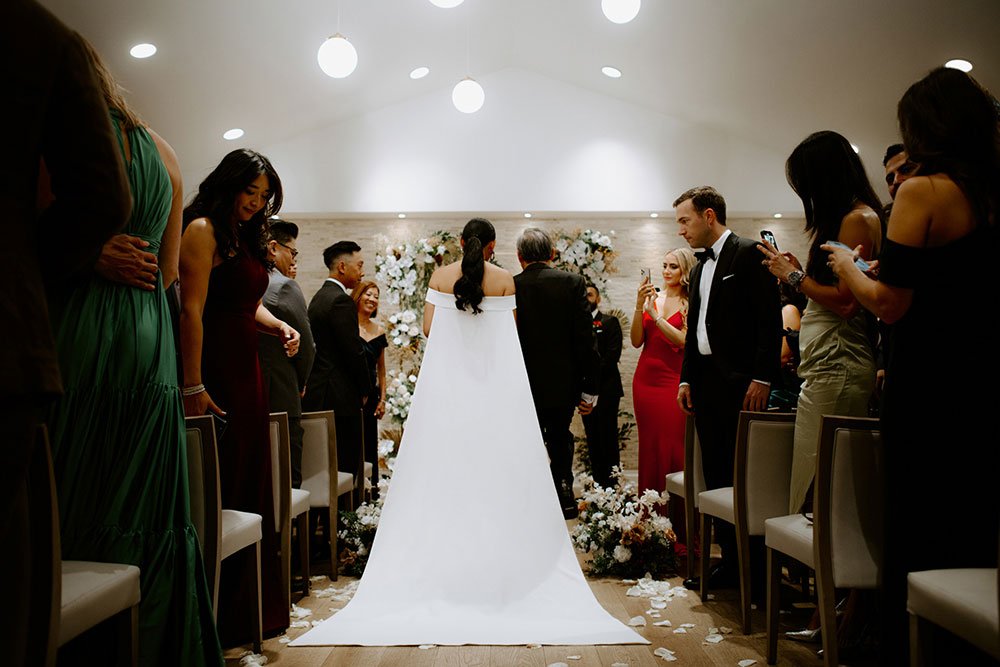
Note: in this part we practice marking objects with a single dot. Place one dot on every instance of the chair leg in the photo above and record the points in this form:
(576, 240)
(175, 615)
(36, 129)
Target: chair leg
(773, 603)
(921, 640)
(743, 552)
(303, 528)
(706, 551)
(125, 626)
(334, 554)
(827, 620)
(255, 604)
(286, 564)
(689, 528)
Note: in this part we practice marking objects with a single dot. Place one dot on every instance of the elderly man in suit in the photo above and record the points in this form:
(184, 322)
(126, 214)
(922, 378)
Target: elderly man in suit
(340, 380)
(733, 345)
(601, 425)
(63, 124)
(557, 341)
(285, 377)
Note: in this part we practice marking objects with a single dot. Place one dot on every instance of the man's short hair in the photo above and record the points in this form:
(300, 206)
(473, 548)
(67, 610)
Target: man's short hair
(282, 231)
(534, 245)
(705, 197)
(338, 251)
(891, 152)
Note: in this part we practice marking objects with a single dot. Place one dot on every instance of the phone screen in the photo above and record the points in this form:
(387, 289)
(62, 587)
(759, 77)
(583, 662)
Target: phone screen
(769, 237)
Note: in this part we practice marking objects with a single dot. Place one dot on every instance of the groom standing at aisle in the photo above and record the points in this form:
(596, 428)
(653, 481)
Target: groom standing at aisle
(339, 380)
(560, 353)
(732, 350)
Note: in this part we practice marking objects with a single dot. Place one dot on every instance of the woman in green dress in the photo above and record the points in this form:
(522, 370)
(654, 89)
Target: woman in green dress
(118, 430)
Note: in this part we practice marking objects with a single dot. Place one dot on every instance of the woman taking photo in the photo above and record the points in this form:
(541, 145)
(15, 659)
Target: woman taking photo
(223, 269)
(374, 342)
(836, 339)
(939, 425)
(658, 327)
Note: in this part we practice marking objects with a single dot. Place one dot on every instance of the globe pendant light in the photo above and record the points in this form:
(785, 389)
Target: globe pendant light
(337, 57)
(468, 96)
(620, 11)
(446, 4)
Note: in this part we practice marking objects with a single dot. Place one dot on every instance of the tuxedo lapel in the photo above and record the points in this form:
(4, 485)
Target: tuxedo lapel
(722, 267)
(694, 294)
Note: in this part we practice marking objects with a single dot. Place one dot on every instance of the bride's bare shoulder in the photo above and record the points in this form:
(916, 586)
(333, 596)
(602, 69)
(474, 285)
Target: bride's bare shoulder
(443, 279)
(497, 281)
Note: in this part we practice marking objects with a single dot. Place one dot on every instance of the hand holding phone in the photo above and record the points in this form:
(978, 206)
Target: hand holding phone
(769, 237)
(858, 262)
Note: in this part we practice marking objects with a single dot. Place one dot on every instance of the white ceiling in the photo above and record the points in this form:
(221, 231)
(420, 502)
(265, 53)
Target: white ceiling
(764, 71)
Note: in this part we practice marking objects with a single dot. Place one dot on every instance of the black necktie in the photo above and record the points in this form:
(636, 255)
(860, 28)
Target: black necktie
(705, 255)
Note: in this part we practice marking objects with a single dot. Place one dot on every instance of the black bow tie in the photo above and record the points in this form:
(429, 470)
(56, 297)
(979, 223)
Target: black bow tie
(705, 254)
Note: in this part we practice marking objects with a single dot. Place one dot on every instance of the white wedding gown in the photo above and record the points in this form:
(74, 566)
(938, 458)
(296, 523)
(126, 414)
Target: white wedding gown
(472, 547)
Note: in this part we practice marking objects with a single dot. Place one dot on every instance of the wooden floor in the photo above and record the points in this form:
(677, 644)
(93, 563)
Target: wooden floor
(690, 647)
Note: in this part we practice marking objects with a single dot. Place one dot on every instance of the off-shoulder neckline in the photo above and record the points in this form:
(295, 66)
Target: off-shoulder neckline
(505, 296)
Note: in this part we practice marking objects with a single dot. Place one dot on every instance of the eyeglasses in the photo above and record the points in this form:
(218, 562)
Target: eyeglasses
(295, 253)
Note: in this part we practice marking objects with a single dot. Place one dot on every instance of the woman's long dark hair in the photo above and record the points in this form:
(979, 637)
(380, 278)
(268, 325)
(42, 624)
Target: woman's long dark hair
(217, 196)
(469, 287)
(949, 126)
(827, 175)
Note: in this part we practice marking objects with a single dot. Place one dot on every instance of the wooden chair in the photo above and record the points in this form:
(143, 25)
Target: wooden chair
(289, 504)
(319, 467)
(762, 471)
(843, 543)
(80, 594)
(221, 532)
(676, 484)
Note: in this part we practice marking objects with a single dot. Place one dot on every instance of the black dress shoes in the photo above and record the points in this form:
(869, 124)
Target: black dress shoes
(567, 501)
(720, 576)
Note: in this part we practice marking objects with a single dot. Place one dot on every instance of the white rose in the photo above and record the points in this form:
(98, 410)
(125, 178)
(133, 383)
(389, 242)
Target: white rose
(408, 316)
(604, 240)
(622, 553)
(412, 378)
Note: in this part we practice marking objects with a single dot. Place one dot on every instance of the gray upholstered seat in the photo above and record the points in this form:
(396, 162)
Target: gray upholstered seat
(94, 592)
(964, 601)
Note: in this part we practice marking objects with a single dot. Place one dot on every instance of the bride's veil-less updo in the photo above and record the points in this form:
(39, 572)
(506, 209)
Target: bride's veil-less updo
(469, 287)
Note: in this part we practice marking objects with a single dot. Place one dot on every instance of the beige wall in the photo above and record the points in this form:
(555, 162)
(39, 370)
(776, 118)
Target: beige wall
(640, 242)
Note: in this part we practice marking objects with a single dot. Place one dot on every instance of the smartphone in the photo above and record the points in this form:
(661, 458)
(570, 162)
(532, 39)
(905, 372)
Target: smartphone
(860, 263)
(644, 275)
(220, 423)
(769, 237)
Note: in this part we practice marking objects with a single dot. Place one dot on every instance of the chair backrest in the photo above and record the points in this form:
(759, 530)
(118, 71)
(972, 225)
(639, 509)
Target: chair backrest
(319, 458)
(42, 519)
(281, 469)
(847, 501)
(205, 494)
(763, 467)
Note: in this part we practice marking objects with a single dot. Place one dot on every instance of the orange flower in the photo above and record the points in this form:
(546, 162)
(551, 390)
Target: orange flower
(634, 536)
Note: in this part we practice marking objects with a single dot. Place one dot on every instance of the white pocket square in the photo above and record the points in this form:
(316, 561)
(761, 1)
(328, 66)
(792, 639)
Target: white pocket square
(729, 276)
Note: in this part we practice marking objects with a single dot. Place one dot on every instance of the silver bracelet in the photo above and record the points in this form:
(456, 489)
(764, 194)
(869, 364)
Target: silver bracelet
(193, 390)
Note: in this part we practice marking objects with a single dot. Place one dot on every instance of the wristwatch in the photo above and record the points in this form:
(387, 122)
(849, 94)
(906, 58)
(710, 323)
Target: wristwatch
(795, 279)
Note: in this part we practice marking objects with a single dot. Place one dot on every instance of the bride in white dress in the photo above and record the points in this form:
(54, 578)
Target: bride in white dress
(472, 547)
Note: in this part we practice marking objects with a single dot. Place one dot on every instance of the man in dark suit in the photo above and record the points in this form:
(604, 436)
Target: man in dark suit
(557, 341)
(57, 117)
(733, 345)
(339, 380)
(601, 425)
(285, 377)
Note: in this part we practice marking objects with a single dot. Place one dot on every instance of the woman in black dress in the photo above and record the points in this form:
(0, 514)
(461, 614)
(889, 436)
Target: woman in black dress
(939, 428)
(373, 340)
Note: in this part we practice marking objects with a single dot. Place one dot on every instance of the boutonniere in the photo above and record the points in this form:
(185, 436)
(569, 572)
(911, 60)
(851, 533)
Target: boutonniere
(598, 326)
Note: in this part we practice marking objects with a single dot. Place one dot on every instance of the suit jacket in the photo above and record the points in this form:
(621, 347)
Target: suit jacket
(743, 317)
(339, 379)
(608, 331)
(286, 376)
(54, 111)
(557, 336)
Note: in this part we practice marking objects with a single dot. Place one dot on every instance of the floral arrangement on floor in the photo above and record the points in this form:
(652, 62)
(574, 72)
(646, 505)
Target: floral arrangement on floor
(357, 532)
(626, 534)
(589, 253)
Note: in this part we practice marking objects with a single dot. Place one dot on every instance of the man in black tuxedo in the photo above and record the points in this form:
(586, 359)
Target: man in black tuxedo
(557, 341)
(285, 377)
(733, 345)
(339, 380)
(601, 425)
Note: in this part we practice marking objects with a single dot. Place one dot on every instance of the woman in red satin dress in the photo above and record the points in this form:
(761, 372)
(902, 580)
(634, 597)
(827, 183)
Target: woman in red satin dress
(658, 327)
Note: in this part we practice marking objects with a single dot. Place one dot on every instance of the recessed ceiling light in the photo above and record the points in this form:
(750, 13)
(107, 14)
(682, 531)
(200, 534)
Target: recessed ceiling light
(777, 215)
(446, 4)
(855, 148)
(654, 215)
(620, 11)
(419, 73)
(611, 72)
(527, 215)
(146, 50)
(232, 134)
(960, 64)
(400, 215)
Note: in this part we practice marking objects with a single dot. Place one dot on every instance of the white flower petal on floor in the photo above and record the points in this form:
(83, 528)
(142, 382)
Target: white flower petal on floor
(558, 664)
(713, 638)
(687, 625)
(663, 624)
(724, 630)
(299, 612)
(637, 621)
(574, 657)
(746, 663)
(251, 659)
(299, 624)
(680, 631)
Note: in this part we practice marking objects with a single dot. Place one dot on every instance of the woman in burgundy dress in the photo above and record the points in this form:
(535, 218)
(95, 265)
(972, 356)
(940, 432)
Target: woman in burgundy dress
(223, 270)
(658, 327)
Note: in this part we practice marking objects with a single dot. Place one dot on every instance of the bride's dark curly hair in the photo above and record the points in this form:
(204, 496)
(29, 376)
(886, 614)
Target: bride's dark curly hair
(217, 196)
(476, 234)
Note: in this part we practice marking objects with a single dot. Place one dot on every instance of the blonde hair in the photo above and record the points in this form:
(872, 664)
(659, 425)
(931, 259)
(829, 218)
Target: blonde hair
(112, 91)
(686, 260)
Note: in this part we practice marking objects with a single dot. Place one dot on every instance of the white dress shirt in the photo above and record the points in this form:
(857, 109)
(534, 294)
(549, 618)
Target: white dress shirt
(705, 289)
(334, 280)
